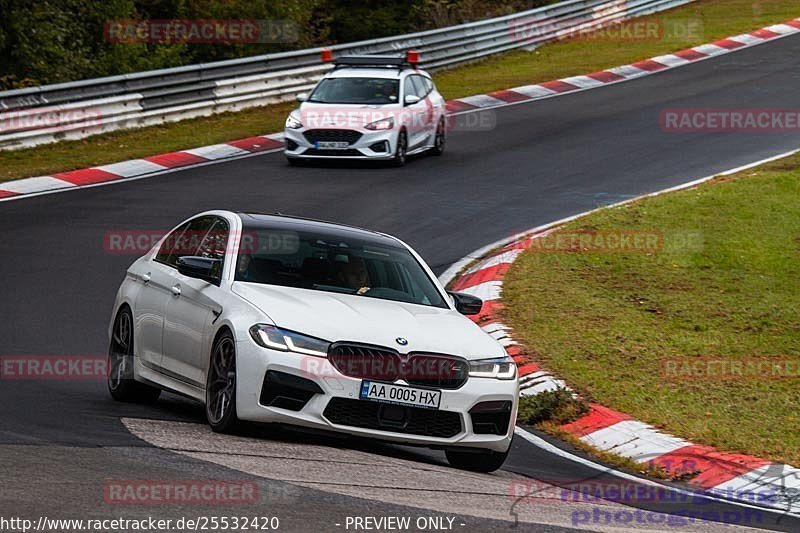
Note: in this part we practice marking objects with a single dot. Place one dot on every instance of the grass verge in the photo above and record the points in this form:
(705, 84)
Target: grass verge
(723, 284)
(704, 21)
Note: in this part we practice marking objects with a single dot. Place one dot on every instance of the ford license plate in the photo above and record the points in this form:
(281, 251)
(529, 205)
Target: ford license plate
(332, 145)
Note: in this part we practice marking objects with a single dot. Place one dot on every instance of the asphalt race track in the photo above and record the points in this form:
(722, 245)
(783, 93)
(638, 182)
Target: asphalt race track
(61, 440)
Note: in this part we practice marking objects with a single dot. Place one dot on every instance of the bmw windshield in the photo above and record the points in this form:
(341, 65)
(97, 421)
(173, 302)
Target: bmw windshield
(331, 262)
(373, 91)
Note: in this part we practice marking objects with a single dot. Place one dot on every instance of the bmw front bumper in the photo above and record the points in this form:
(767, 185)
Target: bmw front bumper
(318, 383)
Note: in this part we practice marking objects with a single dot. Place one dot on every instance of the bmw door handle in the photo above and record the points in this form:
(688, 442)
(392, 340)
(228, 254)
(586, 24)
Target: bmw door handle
(176, 290)
(146, 277)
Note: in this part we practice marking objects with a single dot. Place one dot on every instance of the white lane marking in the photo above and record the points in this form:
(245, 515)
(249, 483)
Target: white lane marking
(584, 82)
(670, 60)
(628, 71)
(710, 49)
(746, 38)
(482, 100)
(534, 91)
(133, 167)
(37, 184)
(217, 151)
(486, 291)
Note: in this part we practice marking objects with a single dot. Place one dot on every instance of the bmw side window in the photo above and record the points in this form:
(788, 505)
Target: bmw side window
(169, 243)
(429, 86)
(214, 244)
(186, 242)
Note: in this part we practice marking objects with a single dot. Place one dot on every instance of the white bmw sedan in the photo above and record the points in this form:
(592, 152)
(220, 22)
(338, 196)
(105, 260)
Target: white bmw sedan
(269, 318)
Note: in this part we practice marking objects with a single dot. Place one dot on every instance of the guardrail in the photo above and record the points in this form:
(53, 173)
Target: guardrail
(50, 113)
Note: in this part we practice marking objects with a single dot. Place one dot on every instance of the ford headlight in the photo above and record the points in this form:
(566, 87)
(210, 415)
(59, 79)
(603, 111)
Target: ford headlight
(293, 122)
(288, 341)
(382, 124)
(497, 367)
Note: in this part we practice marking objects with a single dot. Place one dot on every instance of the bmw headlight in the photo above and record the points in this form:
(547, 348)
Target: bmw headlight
(288, 341)
(497, 367)
(382, 124)
(293, 122)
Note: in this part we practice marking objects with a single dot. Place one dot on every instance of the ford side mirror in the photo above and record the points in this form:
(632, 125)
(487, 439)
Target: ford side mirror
(466, 304)
(205, 268)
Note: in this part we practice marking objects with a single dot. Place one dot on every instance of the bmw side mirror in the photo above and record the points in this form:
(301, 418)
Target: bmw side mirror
(411, 99)
(302, 97)
(205, 268)
(466, 304)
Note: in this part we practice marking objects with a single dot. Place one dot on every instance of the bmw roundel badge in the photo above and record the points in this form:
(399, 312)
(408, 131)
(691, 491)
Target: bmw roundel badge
(401, 341)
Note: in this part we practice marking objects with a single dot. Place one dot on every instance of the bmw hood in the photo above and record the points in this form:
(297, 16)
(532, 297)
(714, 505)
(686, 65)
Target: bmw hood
(343, 317)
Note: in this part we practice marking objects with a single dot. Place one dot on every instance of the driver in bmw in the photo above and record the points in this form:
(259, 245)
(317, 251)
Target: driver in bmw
(354, 275)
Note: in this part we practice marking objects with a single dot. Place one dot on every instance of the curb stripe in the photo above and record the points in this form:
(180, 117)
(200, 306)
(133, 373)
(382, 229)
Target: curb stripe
(606, 76)
(764, 33)
(456, 106)
(492, 273)
(176, 159)
(256, 144)
(649, 65)
(509, 96)
(86, 176)
(716, 467)
(534, 91)
(217, 151)
(559, 86)
(132, 167)
(30, 185)
(690, 54)
(599, 417)
(481, 100)
(728, 44)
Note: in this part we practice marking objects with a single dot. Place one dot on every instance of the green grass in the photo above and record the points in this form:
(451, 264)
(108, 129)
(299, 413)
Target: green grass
(716, 18)
(726, 284)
